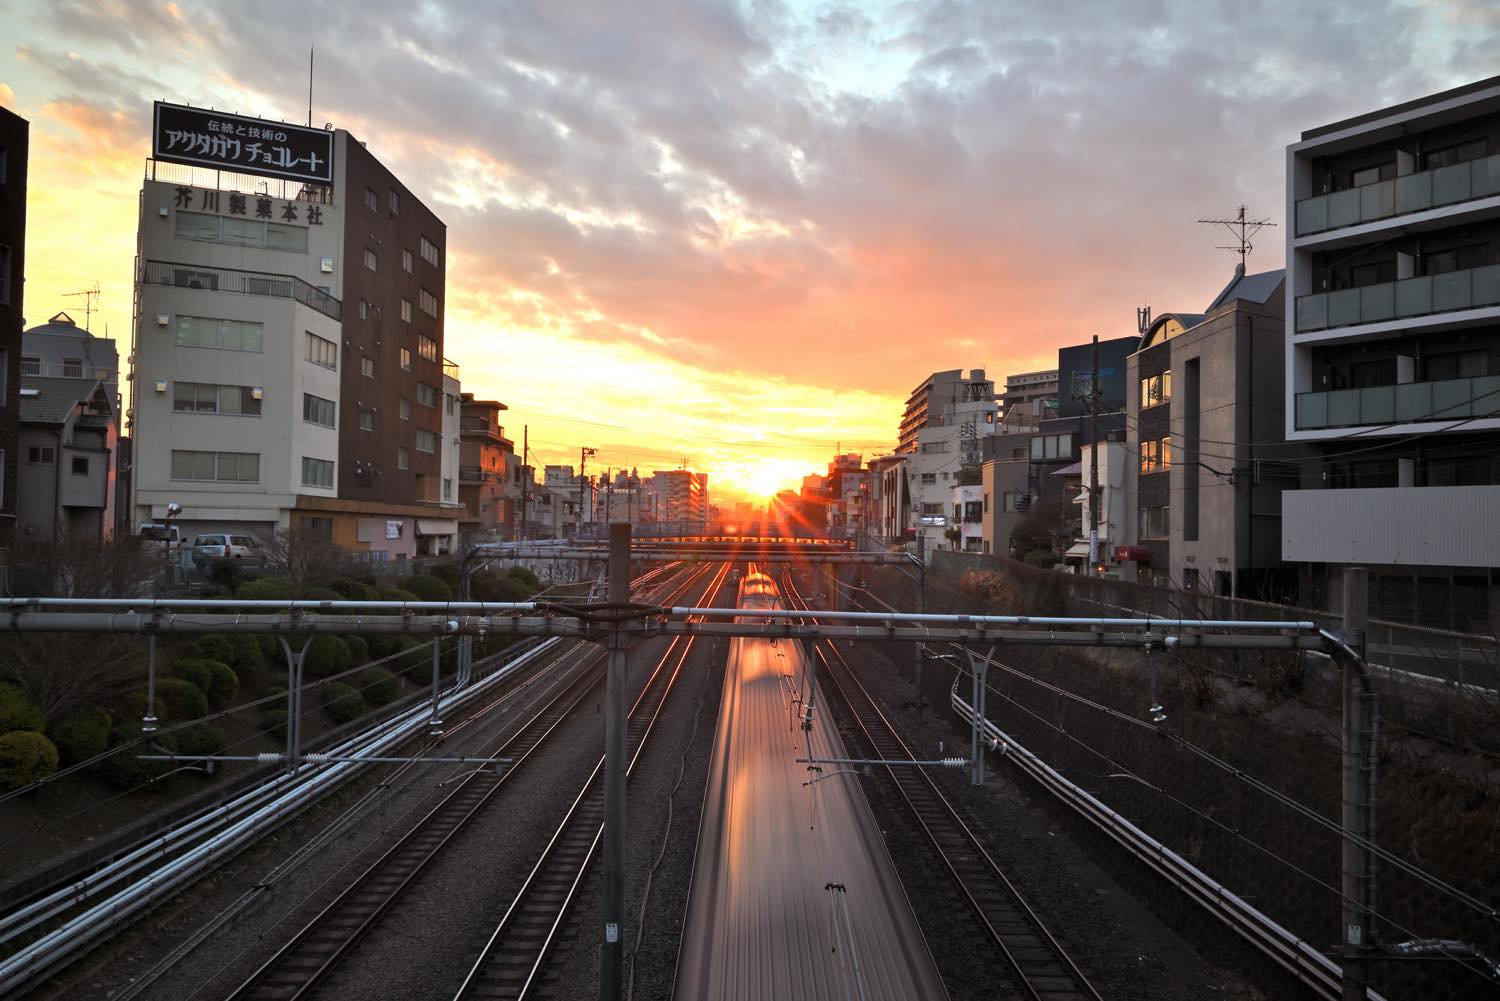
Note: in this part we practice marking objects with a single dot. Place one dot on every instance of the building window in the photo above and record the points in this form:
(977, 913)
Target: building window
(1153, 523)
(41, 455)
(426, 441)
(317, 472)
(405, 409)
(80, 465)
(406, 261)
(1190, 578)
(31, 365)
(430, 253)
(1156, 389)
(372, 200)
(4, 275)
(206, 398)
(367, 367)
(223, 335)
(428, 302)
(426, 395)
(406, 310)
(403, 459)
(450, 404)
(371, 261)
(427, 347)
(1156, 456)
(224, 467)
(934, 447)
(927, 478)
(316, 410)
(1045, 447)
(395, 201)
(364, 310)
(367, 420)
(73, 368)
(236, 232)
(1010, 501)
(321, 351)
(406, 359)
(447, 490)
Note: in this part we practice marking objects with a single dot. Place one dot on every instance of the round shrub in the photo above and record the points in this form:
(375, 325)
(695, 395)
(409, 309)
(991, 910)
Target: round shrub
(81, 734)
(264, 589)
(428, 588)
(325, 655)
(379, 686)
(341, 702)
(200, 739)
(353, 589)
(216, 647)
(179, 701)
(223, 684)
(245, 656)
(525, 576)
(124, 769)
(383, 645)
(319, 593)
(359, 650)
(270, 648)
(17, 712)
(273, 723)
(25, 757)
(193, 670)
(416, 663)
(447, 573)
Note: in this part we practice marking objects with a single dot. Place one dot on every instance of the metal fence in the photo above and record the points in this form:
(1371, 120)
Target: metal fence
(201, 276)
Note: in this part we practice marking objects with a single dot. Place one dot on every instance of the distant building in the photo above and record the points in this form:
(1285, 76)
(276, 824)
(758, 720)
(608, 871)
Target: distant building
(1028, 397)
(485, 459)
(14, 147)
(679, 499)
(1392, 353)
(67, 438)
(936, 394)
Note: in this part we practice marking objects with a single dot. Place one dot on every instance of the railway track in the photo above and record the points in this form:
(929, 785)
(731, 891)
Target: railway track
(320, 945)
(1043, 969)
(510, 965)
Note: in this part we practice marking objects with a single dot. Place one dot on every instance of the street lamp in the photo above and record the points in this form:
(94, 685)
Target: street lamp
(173, 510)
(149, 721)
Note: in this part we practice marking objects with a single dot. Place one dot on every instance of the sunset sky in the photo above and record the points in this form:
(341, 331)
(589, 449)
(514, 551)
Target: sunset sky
(738, 234)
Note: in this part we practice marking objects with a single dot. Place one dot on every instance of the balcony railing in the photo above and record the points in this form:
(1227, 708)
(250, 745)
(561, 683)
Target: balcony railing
(1459, 182)
(1407, 402)
(228, 180)
(472, 474)
(200, 276)
(1398, 300)
(35, 366)
(450, 368)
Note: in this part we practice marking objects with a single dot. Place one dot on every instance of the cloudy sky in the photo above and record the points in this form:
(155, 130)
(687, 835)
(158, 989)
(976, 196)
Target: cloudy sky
(737, 234)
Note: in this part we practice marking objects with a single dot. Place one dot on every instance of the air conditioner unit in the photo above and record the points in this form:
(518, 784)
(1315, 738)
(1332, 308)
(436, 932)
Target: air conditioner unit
(162, 319)
(162, 211)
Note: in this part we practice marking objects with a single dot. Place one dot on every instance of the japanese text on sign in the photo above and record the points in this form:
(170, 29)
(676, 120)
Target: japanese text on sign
(230, 142)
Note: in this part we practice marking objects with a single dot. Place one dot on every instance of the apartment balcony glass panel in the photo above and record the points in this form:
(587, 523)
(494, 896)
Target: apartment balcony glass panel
(1420, 296)
(1447, 400)
(1459, 182)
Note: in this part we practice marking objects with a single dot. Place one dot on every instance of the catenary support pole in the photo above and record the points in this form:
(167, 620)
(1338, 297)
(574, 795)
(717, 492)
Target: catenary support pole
(1357, 862)
(435, 722)
(149, 721)
(611, 948)
(921, 650)
(294, 700)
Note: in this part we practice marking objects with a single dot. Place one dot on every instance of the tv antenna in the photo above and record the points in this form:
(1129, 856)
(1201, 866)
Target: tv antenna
(1243, 229)
(90, 297)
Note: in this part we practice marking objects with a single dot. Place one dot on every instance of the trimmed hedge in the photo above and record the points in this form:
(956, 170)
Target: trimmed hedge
(179, 701)
(215, 647)
(448, 574)
(25, 757)
(525, 576)
(264, 589)
(194, 670)
(379, 686)
(354, 590)
(325, 655)
(416, 663)
(17, 712)
(124, 770)
(246, 655)
(223, 684)
(201, 739)
(428, 588)
(359, 650)
(81, 734)
(273, 723)
(341, 702)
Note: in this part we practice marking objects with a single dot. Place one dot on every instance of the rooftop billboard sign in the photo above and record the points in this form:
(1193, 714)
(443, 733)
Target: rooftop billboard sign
(202, 138)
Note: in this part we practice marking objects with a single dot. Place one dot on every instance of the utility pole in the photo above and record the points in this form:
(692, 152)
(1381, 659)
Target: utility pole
(583, 457)
(1358, 819)
(1094, 462)
(525, 477)
(612, 948)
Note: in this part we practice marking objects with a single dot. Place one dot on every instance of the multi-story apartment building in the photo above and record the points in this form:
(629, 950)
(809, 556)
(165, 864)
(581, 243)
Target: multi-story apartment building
(680, 503)
(486, 456)
(1393, 356)
(1027, 397)
(934, 395)
(949, 454)
(1205, 418)
(287, 353)
(14, 146)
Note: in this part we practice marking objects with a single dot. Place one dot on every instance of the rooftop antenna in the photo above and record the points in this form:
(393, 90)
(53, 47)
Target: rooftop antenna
(90, 295)
(1243, 229)
(309, 85)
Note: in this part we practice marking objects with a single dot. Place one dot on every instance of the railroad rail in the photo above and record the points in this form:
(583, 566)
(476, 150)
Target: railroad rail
(510, 965)
(324, 941)
(1043, 968)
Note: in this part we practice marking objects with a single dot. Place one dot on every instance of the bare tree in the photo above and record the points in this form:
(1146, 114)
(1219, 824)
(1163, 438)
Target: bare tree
(307, 559)
(63, 671)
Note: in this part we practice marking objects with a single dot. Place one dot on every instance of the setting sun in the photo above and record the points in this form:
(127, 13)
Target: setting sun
(760, 479)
